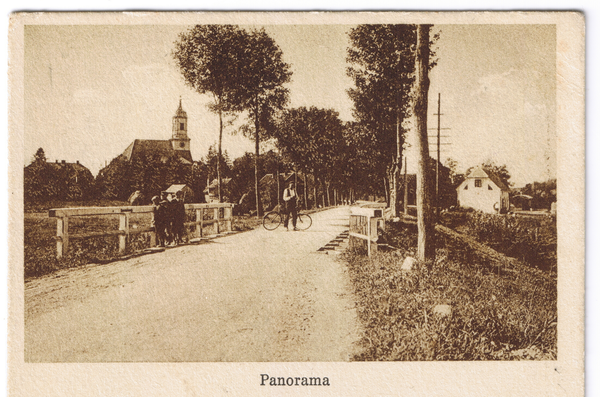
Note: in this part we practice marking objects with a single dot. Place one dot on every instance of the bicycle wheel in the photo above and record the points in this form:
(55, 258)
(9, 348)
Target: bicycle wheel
(303, 221)
(271, 220)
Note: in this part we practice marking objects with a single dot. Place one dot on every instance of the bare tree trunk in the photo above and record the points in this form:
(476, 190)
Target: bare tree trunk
(398, 167)
(425, 212)
(328, 198)
(259, 211)
(387, 188)
(278, 189)
(305, 192)
(315, 192)
(219, 154)
(405, 187)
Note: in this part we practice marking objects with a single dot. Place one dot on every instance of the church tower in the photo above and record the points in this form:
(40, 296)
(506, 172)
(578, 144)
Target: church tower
(179, 139)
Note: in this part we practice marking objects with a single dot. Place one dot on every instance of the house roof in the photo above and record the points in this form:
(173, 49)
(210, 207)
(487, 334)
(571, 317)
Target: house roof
(499, 183)
(285, 176)
(480, 173)
(175, 188)
(213, 184)
(74, 166)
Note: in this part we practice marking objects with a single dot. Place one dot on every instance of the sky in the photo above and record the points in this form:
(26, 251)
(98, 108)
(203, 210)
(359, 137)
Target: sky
(91, 90)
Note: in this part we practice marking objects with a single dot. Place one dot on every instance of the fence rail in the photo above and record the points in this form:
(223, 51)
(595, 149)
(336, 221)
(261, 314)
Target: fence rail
(364, 223)
(62, 216)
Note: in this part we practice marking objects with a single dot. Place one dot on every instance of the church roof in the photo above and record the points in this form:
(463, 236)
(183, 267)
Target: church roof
(163, 148)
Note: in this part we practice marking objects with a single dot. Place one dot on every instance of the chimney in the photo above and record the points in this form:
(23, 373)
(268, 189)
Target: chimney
(56, 161)
(77, 161)
(64, 161)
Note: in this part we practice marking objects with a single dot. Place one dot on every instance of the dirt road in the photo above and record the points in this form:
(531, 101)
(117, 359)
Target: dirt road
(253, 296)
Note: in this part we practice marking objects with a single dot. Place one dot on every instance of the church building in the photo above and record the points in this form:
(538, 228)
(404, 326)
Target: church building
(178, 145)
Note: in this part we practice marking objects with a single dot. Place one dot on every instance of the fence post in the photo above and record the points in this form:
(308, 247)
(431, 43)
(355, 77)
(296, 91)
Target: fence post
(123, 226)
(373, 223)
(62, 234)
(199, 218)
(216, 218)
(227, 214)
(153, 233)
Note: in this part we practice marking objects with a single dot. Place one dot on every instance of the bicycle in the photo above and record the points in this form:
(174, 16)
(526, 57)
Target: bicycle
(273, 219)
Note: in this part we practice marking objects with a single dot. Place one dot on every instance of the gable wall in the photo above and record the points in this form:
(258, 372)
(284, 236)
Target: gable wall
(479, 198)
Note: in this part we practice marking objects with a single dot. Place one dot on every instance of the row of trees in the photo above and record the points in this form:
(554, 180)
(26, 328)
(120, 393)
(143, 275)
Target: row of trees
(244, 72)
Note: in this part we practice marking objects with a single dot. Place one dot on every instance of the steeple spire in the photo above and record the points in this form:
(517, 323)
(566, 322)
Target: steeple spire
(179, 139)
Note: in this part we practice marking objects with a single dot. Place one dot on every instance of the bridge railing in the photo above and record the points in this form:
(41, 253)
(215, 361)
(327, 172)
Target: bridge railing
(63, 236)
(365, 220)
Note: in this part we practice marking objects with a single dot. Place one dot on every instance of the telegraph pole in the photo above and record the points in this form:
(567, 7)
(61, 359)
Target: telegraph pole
(425, 214)
(437, 164)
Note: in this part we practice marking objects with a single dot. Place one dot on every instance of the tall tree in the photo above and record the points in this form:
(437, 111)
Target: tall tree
(313, 140)
(382, 59)
(208, 57)
(425, 211)
(262, 92)
(36, 178)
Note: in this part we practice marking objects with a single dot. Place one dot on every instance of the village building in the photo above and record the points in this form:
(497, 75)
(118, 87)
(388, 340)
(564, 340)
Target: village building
(211, 192)
(178, 145)
(60, 180)
(483, 192)
(187, 193)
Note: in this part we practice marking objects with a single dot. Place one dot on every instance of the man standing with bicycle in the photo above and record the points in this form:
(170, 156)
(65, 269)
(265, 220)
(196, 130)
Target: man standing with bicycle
(290, 199)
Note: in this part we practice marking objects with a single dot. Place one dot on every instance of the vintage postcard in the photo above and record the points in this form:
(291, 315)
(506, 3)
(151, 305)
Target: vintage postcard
(323, 203)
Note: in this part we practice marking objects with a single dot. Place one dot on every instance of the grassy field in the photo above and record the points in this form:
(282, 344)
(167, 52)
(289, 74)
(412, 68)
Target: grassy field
(498, 312)
(530, 239)
(40, 243)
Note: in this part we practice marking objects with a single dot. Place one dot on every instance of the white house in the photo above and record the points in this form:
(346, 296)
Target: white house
(483, 192)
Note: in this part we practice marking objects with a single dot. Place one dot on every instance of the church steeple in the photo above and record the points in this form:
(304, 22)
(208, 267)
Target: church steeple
(179, 139)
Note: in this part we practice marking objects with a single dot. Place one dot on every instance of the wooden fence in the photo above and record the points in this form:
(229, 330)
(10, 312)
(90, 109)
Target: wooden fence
(62, 216)
(364, 223)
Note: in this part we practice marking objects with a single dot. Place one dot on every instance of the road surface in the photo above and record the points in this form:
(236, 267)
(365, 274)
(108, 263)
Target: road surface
(253, 296)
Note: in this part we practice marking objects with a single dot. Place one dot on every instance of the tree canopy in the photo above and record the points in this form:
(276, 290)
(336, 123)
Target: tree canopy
(382, 67)
(313, 140)
(211, 59)
(264, 75)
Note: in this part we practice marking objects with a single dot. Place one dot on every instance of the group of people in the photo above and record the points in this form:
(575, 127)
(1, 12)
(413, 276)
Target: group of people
(169, 218)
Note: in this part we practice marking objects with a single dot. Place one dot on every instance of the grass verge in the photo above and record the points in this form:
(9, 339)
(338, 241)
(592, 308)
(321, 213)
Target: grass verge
(497, 314)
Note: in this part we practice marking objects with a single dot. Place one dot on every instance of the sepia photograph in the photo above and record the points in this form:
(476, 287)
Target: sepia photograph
(274, 189)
